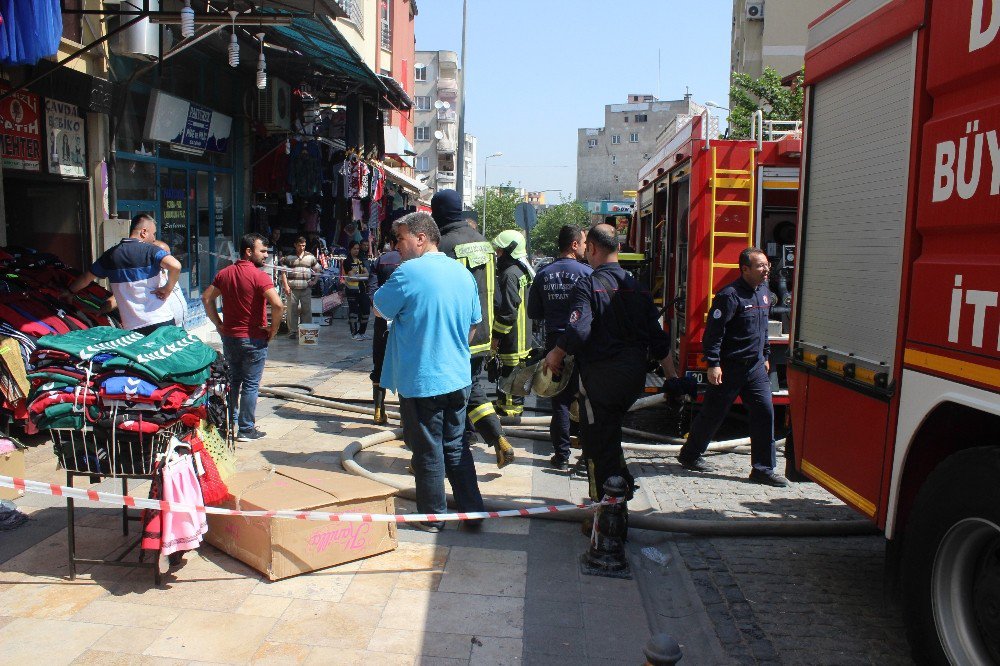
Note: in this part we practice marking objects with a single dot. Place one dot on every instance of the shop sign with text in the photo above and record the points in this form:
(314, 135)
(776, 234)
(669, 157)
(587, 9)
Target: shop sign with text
(20, 131)
(67, 153)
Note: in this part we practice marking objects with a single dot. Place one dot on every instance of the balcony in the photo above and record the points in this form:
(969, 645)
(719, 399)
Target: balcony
(447, 90)
(445, 176)
(447, 116)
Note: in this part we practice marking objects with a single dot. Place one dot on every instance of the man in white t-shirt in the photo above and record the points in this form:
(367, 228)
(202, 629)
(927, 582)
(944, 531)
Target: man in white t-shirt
(133, 269)
(176, 300)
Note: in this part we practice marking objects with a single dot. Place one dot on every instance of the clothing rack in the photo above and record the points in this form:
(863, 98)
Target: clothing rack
(90, 454)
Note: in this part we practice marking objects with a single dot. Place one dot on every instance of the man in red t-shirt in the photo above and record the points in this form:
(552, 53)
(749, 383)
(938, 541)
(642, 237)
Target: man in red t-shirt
(246, 292)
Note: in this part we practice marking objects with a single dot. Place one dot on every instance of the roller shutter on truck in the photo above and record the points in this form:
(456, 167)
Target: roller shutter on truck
(855, 209)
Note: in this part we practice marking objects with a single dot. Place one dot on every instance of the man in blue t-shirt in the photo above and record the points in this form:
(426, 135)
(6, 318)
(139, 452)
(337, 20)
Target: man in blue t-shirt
(549, 300)
(433, 304)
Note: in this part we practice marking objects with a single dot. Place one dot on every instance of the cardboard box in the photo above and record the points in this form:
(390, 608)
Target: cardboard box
(280, 548)
(12, 464)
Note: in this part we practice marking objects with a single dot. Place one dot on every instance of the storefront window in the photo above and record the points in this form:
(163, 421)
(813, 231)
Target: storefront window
(136, 181)
(175, 207)
(224, 237)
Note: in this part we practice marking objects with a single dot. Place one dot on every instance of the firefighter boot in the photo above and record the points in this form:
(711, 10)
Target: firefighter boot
(504, 451)
(606, 555)
(378, 395)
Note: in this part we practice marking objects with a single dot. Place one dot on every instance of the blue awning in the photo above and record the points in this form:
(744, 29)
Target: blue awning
(31, 30)
(319, 40)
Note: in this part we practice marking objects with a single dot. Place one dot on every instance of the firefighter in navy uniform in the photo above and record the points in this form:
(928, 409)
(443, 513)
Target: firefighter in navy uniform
(737, 353)
(468, 247)
(511, 339)
(613, 328)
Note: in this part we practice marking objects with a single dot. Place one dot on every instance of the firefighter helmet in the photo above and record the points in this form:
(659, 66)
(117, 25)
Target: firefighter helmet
(512, 241)
(545, 385)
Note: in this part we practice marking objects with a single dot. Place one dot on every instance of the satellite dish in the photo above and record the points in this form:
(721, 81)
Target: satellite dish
(439, 104)
(419, 65)
(438, 134)
(447, 105)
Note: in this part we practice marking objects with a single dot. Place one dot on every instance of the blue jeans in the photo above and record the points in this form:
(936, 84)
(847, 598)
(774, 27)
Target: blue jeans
(433, 429)
(245, 357)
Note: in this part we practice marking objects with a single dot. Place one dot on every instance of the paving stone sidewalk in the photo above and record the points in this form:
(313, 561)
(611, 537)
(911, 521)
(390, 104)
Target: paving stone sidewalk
(509, 595)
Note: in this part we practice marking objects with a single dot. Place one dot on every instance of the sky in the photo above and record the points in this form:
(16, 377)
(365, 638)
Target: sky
(540, 69)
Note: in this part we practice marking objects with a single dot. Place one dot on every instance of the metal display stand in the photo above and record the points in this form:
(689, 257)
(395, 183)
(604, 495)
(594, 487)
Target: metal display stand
(96, 456)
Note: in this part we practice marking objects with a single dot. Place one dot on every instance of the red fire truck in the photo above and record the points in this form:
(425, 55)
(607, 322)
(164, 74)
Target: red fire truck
(896, 371)
(701, 202)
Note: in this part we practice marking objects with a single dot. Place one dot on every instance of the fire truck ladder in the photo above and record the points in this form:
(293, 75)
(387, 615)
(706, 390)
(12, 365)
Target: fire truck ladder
(728, 179)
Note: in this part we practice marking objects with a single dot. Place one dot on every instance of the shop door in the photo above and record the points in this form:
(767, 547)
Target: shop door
(204, 227)
(49, 217)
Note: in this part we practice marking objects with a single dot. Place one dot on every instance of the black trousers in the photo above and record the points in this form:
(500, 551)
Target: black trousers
(608, 387)
(378, 348)
(559, 426)
(481, 417)
(359, 306)
(750, 382)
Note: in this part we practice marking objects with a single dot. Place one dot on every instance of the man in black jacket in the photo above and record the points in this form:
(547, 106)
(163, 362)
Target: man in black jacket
(466, 245)
(613, 327)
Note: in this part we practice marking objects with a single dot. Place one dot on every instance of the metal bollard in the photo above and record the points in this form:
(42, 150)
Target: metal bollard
(606, 555)
(662, 650)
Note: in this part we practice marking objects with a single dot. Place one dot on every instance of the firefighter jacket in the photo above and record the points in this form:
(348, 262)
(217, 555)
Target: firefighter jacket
(463, 243)
(610, 313)
(510, 317)
(736, 329)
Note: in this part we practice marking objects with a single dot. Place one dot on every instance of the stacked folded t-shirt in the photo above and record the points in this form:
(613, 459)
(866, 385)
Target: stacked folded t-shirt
(119, 379)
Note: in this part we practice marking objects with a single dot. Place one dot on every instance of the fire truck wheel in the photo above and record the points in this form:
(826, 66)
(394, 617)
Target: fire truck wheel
(951, 562)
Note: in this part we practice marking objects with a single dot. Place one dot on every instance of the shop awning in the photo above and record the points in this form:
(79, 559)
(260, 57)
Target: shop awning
(315, 7)
(320, 41)
(400, 178)
(400, 99)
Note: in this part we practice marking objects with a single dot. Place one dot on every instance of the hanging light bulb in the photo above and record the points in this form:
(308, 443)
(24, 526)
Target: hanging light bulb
(261, 65)
(187, 20)
(288, 146)
(234, 45)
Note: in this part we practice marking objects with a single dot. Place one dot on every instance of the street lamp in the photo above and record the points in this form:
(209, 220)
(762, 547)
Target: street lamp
(716, 105)
(486, 188)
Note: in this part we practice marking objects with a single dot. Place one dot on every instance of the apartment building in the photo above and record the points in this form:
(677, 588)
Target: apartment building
(436, 105)
(772, 33)
(609, 157)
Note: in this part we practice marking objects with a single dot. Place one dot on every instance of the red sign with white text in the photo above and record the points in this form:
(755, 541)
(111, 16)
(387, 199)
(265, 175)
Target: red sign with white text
(20, 131)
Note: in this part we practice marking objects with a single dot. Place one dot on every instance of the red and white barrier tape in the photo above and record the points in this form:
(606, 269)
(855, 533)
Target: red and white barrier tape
(42, 488)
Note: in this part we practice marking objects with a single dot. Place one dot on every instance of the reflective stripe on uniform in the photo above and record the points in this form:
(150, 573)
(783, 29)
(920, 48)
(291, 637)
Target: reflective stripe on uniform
(503, 329)
(510, 360)
(481, 412)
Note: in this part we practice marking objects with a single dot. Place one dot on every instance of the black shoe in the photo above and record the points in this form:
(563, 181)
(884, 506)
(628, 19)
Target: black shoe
(768, 478)
(251, 435)
(559, 463)
(432, 528)
(696, 465)
(472, 525)
(580, 468)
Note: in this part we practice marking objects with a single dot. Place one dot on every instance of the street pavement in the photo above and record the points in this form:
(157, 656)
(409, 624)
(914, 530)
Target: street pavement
(512, 594)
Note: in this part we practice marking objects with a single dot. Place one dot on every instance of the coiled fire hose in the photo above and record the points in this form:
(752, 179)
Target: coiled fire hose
(659, 523)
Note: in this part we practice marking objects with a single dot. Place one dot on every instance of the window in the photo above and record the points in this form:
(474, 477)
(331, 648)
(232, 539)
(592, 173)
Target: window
(614, 160)
(626, 118)
(591, 143)
(423, 102)
(422, 163)
(422, 133)
(633, 137)
(386, 25)
(640, 118)
(420, 73)
(616, 139)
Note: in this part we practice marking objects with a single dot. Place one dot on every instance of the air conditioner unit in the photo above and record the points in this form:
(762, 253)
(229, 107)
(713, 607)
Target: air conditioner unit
(755, 10)
(274, 106)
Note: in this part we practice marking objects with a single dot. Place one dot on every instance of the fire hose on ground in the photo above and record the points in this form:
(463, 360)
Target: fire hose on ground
(700, 527)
